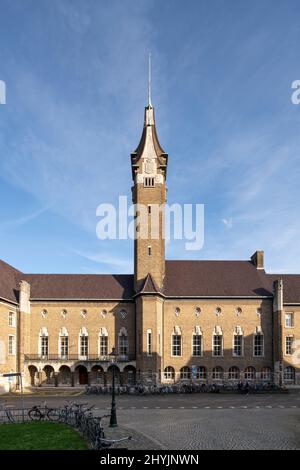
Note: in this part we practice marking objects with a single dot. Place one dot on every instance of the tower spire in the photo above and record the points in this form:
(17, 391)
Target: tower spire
(149, 82)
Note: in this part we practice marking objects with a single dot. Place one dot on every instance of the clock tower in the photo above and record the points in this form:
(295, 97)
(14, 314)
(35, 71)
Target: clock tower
(149, 169)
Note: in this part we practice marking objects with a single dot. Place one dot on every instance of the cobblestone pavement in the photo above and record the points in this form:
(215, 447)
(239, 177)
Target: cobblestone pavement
(199, 421)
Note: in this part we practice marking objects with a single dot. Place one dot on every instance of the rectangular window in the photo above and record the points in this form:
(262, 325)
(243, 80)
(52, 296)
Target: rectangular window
(149, 209)
(289, 345)
(176, 345)
(11, 345)
(289, 320)
(217, 345)
(149, 343)
(149, 250)
(149, 182)
(123, 345)
(238, 345)
(64, 346)
(258, 345)
(44, 346)
(11, 319)
(84, 346)
(103, 345)
(197, 345)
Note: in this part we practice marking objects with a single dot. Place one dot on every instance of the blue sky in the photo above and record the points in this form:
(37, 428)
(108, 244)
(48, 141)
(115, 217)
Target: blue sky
(76, 78)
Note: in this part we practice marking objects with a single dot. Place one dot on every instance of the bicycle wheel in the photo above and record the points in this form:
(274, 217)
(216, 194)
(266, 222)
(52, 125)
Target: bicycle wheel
(35, 414)
(53, 415)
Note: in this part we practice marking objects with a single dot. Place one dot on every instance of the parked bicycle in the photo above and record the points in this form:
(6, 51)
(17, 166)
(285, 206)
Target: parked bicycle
(38, 412)
(100, 441)
(8, 413)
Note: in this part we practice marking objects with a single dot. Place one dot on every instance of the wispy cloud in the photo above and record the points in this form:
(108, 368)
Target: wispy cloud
(108, 262)
(15, 223)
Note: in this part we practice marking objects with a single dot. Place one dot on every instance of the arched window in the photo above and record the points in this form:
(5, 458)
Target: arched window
(103, 342)
(169, 373)
(234, 373)
(123, 342)
(217, 373)
(249, 373)
(83, 343)
(185, 373)
(238, 342)
(217, 346)
(289, 374)
(266, 373)
(258, 342)
(201, 373)
(44, 342)
(197, 342)
(63, 342)
(176, 342)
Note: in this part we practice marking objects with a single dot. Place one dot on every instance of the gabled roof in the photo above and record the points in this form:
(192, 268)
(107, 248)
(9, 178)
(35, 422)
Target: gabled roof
(291, 287)
(183, 279)
(215, 279)
(149, 286)
(80, 286)
(9, 282)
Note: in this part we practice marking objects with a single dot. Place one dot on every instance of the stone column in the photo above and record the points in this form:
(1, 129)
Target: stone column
(278, 315)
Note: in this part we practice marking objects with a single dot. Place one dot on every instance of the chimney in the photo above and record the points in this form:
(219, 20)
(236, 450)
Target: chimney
(278, 295)
(24, 299)
(258, 259)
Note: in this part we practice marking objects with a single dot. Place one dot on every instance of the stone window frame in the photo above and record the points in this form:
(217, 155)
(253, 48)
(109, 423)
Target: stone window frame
(238, 332)
(290, 345)
(63, 333)
(258, 333)
(103, 333)
(197, 333)
(83, 333)
(149, 342)
(11, 345)
(292, 316)
(176, 333)
(12, 319)
(217, 332)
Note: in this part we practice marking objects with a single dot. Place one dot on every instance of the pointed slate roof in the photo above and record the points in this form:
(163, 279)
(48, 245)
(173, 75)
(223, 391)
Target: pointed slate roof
(149, 143)
(149, 286)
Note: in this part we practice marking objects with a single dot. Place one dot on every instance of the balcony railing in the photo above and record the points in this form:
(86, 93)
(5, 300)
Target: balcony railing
(78, 357)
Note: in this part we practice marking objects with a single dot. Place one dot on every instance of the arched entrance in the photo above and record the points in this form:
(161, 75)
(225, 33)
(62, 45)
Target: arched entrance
(129, 375)
(64, 376)
(81, 375)
(48, 376)
(97, 375)
(33, 373)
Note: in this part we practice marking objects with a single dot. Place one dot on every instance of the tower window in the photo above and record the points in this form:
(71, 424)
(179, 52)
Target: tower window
(149, 209)
(149, 250)
(149, 182)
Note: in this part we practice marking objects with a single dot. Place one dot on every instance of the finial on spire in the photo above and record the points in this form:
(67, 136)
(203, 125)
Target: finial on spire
(149, 82)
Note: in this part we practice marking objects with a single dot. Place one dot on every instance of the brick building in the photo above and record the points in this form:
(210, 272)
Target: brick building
(204, 321)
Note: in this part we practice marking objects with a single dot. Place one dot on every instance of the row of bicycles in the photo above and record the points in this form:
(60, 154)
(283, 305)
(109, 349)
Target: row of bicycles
(78, 415)
(142, 389)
